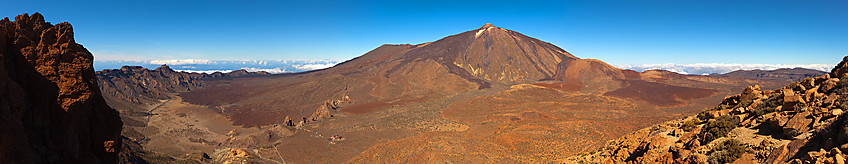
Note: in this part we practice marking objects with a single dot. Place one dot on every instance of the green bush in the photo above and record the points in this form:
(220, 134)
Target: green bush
(717, 128)
(703, 114)
(691, 124)
(727, 151)
(768, 106)
(761, 110)
(793, 85)
(720, 107)
(743, 104)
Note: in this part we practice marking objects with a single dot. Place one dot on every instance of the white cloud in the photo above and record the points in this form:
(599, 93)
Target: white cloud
(271, 70)
(313, 66)
(181, 61)
(205, 71)
(708, 68)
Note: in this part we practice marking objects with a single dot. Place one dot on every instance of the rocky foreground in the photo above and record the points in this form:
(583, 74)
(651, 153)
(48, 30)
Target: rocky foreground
(803, 122)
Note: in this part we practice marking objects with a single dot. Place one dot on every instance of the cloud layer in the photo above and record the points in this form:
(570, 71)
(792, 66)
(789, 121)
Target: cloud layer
(299, 65)
(208, 66)
(709, 68)
(180, 61)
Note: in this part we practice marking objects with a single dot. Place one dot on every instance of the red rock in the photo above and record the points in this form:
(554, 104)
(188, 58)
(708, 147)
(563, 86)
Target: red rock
(53, 109)
(828, 84)
(751, 93)
(841, 69)
(798, 124)
(790, 100)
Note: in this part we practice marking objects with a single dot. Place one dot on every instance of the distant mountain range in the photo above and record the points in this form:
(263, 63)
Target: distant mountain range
(224, 66)
(300, 65)
(720, 68)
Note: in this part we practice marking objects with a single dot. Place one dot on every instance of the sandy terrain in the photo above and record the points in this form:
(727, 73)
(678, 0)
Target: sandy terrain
(176, 128)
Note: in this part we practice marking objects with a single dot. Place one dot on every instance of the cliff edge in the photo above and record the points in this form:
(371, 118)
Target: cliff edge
(51, 109)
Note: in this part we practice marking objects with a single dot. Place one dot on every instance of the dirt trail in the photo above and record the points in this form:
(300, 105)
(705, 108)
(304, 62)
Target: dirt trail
(178, 128)
(150, 113)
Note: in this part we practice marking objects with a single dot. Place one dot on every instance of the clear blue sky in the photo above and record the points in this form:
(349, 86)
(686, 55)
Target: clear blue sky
(619, 32)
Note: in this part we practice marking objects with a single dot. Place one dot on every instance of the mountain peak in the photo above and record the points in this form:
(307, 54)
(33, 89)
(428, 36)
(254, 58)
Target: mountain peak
(487, 25)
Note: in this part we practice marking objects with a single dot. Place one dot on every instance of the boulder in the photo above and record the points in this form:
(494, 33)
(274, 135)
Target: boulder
(808, 83)
(790, 99)
(235, 155)
(346, 99)
(829, 100)
(828, 84)
(810, 94)
(276, 132)
(799, 123)
(739, 110)
(778, 155)
(299, 124)
(233, 133)
(776, 120)
(288, 122)
(799, 88)
(717, 113)
(751, 93)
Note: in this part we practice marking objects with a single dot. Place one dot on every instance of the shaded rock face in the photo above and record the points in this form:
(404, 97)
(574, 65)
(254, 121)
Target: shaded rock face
(803, 122)
(140, 85)
(52, 109)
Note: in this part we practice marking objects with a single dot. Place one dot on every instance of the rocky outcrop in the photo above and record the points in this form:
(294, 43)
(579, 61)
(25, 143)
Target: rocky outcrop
(51, 105)
(235, 155)
(800, 123)
(323, 112)
(143, 86)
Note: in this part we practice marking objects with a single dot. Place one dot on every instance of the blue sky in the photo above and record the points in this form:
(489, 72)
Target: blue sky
(618, 32)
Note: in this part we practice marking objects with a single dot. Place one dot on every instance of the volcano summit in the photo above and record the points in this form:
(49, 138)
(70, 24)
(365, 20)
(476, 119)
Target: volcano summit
(488, 94)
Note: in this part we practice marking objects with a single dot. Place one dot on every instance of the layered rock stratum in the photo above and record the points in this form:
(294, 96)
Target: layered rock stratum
(804, 122)
(52, 108)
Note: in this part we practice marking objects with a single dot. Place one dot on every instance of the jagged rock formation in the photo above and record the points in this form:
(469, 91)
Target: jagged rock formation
(143, 86)
(52, 108)
(323, 112)
(803, 122)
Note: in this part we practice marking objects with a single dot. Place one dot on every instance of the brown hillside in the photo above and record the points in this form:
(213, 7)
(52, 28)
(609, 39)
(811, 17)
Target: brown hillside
(465, 98)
